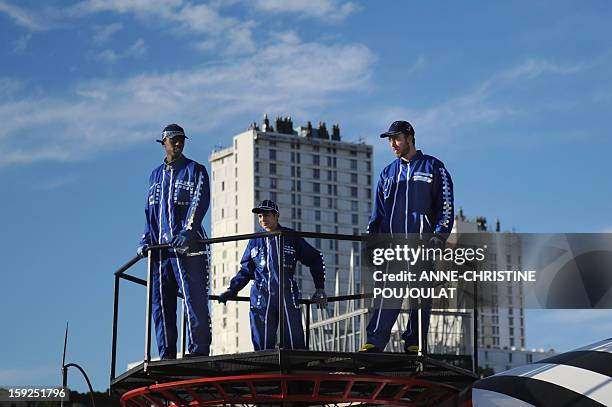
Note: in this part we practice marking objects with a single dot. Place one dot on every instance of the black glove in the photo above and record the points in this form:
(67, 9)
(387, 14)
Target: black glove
(226, 295)
(179, 242)
(320, 298)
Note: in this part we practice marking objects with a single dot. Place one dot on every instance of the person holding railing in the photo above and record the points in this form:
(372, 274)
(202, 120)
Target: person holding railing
(178, 198)
(260, 263)
(414, 197)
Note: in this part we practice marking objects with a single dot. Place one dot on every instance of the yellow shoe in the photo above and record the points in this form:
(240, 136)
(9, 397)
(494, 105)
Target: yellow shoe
(368, 347)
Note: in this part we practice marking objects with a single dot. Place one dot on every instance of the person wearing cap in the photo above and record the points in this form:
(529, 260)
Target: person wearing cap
(414, 197)
(260, 263)
(178, 198)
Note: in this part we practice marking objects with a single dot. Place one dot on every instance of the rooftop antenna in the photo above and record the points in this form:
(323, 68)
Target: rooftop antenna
(65, 371)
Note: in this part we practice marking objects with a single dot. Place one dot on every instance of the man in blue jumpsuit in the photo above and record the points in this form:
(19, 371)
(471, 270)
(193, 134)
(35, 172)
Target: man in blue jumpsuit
(260, 263)
(414, 196)
(179, 196)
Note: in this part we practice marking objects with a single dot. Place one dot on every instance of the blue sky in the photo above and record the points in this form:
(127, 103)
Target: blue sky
(514, 97)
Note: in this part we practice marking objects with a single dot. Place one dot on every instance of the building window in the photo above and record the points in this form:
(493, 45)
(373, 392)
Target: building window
(298, 186)
(329, 162)
(222, 185)
(355, 219)
(354, 205)
(273, 183)
(318, 228)
(330, 203)
(317, 201)
(299, 213)
(353, 164)
(316, 160)
(256, 152)
(335, 217)
(353, 178)
(272, 168)
(272, 154)
(329, 174)
(299, 171)
(257, 180)
(273, 196)
(256, 166)
(316, 174)
(292, 171)
(354, 192)
(317, 215)
(316, 187)
(330, 190)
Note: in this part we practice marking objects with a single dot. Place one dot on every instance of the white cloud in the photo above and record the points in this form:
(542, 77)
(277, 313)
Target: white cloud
(478, 104)
(240, 39)
(108, 56)
(329, 10)
(23, 17)
(51, 184)
(281, 77)
(9, 87)
(228, 34)
(102, 33)
(139, 7)
(21, 43)
(135, 50)
(196, 18)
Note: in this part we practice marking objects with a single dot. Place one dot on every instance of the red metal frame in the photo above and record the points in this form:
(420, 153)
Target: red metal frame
(427, 393)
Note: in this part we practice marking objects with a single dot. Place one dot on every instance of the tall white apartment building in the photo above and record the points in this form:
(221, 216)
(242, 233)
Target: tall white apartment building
(320, 183)
(502, 324)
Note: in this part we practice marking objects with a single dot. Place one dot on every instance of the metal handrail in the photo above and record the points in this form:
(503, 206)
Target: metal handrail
(121, 274)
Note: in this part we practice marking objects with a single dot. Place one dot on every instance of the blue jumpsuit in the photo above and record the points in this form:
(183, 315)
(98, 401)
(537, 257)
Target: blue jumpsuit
(421, 205)
(260, 264)
(179, 196)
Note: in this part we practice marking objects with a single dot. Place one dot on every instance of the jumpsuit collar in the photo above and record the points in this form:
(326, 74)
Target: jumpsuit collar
(176, 164)
(417, 155)
(280, 227)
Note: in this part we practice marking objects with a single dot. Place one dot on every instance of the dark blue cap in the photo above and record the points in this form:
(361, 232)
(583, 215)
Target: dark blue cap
(397, 127)
(171, 131)
(266, 205)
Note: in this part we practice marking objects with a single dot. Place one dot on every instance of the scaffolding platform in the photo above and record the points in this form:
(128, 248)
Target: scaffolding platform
(236, 378)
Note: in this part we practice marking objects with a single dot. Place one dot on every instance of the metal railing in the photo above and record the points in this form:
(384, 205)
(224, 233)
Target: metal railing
(121, 273)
